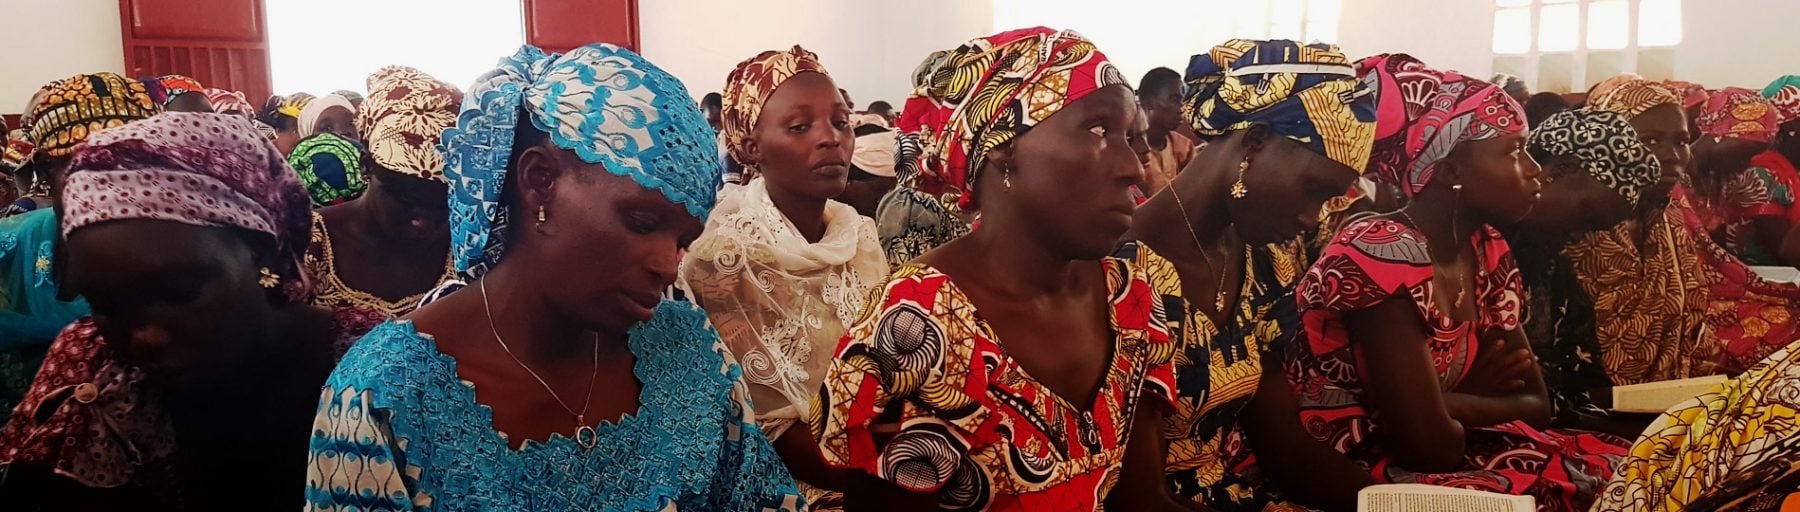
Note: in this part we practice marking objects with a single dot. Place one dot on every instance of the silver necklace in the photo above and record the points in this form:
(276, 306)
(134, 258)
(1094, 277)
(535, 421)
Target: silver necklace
(584, 434)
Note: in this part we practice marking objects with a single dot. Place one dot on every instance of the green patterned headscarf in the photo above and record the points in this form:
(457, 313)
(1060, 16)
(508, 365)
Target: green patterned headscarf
(330, 167)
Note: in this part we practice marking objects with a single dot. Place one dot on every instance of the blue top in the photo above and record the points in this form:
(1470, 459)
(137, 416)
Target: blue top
(398, 430)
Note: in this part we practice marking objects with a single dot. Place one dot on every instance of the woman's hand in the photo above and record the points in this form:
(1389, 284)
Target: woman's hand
(1497, 371)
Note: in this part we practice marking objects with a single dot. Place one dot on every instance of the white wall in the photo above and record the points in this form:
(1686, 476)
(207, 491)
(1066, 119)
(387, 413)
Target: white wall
(1445, 34)
(870, 46)
(48, 40)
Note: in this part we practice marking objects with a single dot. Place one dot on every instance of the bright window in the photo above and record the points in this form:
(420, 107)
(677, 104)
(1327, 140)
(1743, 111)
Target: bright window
(1524, 26)
(320, 46)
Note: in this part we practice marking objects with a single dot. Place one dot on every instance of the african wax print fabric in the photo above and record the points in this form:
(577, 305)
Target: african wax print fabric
(1767, 189)
(1633, 98)
(1736, 113)
(95, 418)
(293, 104)
(781, 303)
(1612, 83)
(177, 85)
(202, 169)
(331, 292)
(602, 102)
(31, 313)
(229, 102)
(1717, 450)
(65, 112)
(1307, 93)
(748, 86)
(1377, 259)
(968, 423)
(330, 167)
(990, 91)
(1167, 162)
(1604, 145)
(1692, 94)
(1784, 94)
(1217, 369)
(1422, 114)
(398, 429)
(403, 121)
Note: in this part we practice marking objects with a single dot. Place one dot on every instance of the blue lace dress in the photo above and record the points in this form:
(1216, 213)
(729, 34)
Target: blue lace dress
(398, 430)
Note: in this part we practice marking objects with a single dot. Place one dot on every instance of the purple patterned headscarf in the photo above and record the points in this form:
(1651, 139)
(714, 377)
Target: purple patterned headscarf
(211, 170)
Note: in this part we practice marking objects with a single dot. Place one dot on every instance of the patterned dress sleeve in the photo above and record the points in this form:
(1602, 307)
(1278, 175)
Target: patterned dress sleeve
(353, 459)
(1369, 262)
(888, 379)
(1500, 285)
(751, 477)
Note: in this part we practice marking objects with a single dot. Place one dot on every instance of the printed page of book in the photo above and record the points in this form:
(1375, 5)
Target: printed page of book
(1430, 498)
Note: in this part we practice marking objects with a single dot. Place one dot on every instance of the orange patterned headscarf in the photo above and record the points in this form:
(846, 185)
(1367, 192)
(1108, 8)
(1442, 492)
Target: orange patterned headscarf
(404, 118)
(65, 112)
(990, 91)
(1634, 97)
(749, 85)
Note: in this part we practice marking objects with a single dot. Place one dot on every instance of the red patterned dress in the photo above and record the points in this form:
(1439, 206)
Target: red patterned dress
(923, 395)
(1375, 259)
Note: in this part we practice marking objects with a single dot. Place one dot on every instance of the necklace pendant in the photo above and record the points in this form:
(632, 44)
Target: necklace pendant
(1219, 302)
(586, 437)
(1238, 190)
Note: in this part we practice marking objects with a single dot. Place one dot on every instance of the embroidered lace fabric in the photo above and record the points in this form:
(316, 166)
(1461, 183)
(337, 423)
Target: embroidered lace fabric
(330, 291)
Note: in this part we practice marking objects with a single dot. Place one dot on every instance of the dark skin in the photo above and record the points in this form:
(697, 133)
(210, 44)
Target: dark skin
(188, 102)
(801, 145)
(1287, 185)
(338, 120)
(1504, 383)
(595, 268)
(1164, 108)
(1664, 129)
(1717, 159)
(1031, 269)
(392, 241)
(239, 367)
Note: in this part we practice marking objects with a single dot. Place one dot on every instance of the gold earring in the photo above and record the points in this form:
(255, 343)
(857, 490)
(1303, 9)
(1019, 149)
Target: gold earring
(267, 278)
(1006, 179)
(541, 217)
(1238, 190)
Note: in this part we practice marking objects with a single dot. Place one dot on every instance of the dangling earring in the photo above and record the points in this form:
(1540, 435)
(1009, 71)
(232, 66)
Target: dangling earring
(267, 278)
(541, 217)
(1006, 179)
(1462, 291)
(1238, 190)
(1717, 139)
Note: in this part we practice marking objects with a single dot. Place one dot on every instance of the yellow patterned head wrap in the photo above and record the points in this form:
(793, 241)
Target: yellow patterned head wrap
(1307, 93)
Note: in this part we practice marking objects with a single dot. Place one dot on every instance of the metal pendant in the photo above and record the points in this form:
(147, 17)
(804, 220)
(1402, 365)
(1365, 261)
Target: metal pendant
(586, 437)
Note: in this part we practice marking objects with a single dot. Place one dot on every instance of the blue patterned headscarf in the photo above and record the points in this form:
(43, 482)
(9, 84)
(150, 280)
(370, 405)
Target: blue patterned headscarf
(1307, 93)
(604, 103)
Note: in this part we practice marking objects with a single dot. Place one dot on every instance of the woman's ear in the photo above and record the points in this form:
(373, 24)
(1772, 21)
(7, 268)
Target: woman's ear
(995, 175)
(753, 151)
(538, 170)
(1256, 138)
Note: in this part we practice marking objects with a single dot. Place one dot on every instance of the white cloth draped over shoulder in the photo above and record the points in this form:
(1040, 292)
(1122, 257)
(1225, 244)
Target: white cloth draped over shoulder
(780, 303)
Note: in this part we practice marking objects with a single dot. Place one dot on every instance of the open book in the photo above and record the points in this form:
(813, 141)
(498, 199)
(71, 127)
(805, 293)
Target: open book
(1777, 274)
(1657, 397)
(1431, 498)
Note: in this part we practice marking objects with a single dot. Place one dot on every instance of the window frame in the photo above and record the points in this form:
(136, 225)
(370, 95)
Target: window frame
(1579, 55)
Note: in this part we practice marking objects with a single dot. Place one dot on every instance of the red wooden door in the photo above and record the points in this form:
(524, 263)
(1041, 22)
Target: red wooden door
(221, 43)
(563, 25)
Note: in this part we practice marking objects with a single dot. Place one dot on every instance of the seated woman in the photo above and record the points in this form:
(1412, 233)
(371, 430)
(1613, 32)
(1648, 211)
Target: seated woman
(782, 268)
(198, 369)
(578, 179)
(33, 308)
(281, 114)
(1778, 161)
(178, 93)
(330, 167)
(384, 249)
(1747, 212)
(1213, 241)
(1595, 172)
(1669, 302)
(1412, 317)
(230, 102)
(1016, 368)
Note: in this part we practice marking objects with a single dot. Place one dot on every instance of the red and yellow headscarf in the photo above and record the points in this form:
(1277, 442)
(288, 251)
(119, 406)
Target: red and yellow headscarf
(1737, 113)
(990, 91)
(1422, 114)
(749, 85)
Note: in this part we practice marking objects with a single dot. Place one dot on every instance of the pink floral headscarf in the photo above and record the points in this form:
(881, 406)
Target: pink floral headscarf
(1422, 114)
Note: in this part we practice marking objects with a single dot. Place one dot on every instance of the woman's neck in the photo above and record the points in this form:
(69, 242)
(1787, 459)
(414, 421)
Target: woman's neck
(1017, 265)
(1194, 203)
(1159, 139)
(535, 330)
(1439, 217)
(806, 213)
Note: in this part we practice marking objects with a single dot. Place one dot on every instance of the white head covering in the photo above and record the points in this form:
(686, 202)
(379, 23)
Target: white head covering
(875, 154)
(309, 116)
